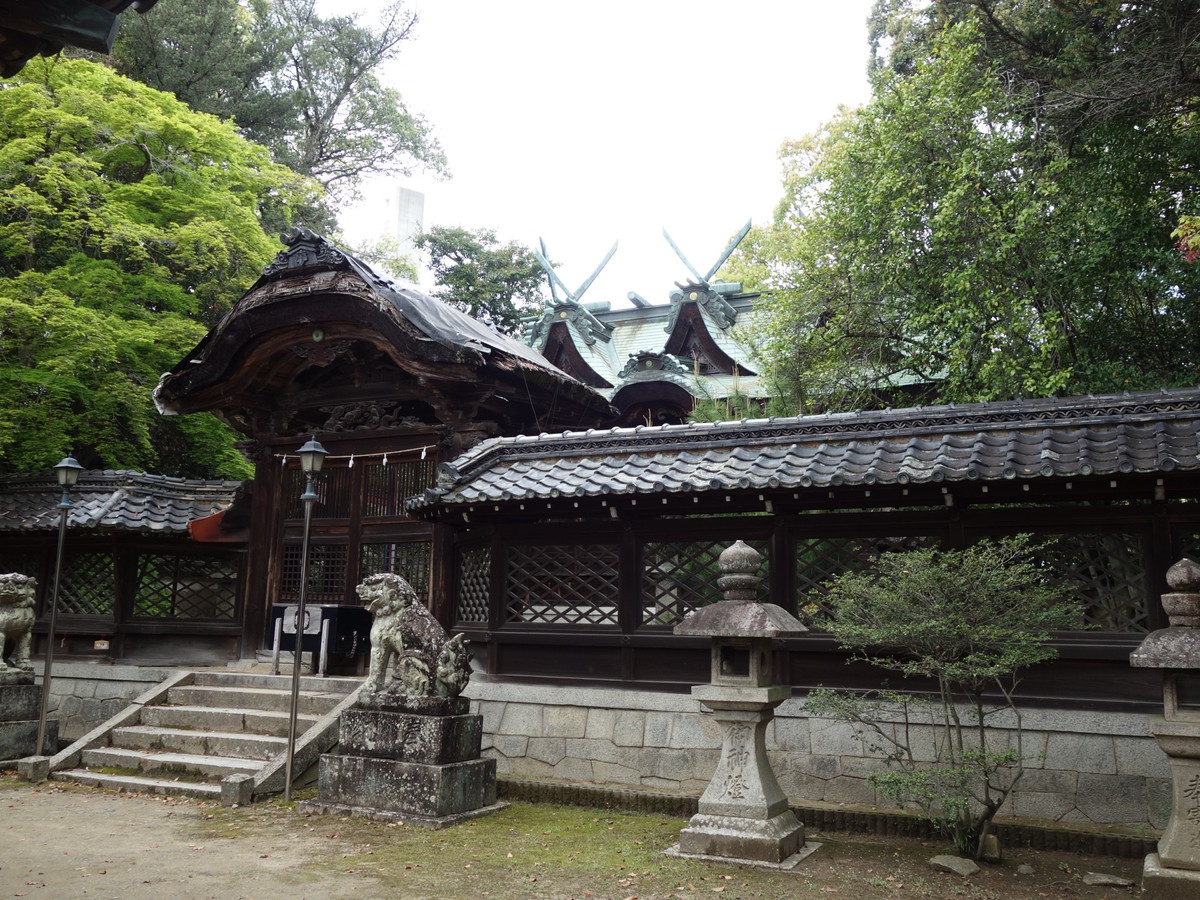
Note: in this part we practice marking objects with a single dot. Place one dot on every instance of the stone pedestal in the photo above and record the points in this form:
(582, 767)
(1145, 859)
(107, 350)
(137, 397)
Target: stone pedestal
(419, 767)
(1179, 847)
(744, 814)
(19, 706)
(1173, 873)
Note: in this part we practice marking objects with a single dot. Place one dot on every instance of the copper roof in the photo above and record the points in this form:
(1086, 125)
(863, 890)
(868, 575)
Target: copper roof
(1020, 439)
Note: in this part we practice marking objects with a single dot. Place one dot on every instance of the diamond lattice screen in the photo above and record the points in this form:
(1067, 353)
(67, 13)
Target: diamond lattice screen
(177, 587)
(679, 577)
(566, 585)
(410, 560)
(88, 585)
(326, 573)
(820, 559)
(474, 574)
(1108, 573)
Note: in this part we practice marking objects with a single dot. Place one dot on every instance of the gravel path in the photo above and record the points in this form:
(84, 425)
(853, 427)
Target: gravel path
(60, 843)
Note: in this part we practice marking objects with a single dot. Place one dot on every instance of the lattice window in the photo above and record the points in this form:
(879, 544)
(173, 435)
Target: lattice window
(326, 573)
(680, 577)
(562, 585)
(1108, 573)
(185, 587)
(410, 560)
(88, 585)
(474, 577)
(333, 489)
(386, 487)
(818, 560)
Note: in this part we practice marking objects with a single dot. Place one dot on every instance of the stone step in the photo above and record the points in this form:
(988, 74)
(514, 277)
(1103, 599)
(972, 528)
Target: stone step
(148, 763)
(208, 718)
(200, 743)
(253, 698)
(311, 683)
(140, 784)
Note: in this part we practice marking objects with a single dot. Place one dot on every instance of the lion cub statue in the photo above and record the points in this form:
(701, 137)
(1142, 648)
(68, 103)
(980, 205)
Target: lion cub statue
(16, 623)
(426, 662)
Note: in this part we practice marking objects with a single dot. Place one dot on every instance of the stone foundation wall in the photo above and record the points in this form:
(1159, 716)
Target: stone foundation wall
(83, 695)
(1101, 768)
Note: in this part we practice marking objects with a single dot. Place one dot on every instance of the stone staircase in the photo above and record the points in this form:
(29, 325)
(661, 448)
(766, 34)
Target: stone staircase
(210, 734)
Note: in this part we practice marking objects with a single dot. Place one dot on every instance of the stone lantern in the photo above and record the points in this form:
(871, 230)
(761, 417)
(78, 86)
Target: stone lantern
(1173, 873)
(744, 814)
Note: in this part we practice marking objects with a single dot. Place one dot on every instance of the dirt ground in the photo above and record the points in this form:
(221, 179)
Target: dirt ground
(71, 842)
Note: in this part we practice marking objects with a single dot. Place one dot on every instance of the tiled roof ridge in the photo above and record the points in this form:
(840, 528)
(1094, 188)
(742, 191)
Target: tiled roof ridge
(118, 478)
(990, 415)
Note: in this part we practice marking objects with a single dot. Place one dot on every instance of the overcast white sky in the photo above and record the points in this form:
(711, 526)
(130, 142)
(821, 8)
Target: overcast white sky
(589, 123)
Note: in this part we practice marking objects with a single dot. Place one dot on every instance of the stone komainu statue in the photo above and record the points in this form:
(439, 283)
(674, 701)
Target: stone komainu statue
(426, 662)
(16, 621)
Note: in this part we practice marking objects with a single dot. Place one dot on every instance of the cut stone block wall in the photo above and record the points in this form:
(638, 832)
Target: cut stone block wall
(1082, 767)
(84, 695)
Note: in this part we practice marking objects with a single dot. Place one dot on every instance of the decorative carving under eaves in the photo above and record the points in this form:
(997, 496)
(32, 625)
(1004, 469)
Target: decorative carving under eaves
(646, 361)
(366, 417)
(589, 327)
(710, 301)
(306, 250)
(321, 354)
(541, 329)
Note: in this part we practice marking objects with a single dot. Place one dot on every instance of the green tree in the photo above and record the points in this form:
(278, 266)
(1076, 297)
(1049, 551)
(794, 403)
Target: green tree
(944, 235)
(304, 85)
(1083, 62)
(212, 56)
(128, 225)
(964, 623)
(494, 282)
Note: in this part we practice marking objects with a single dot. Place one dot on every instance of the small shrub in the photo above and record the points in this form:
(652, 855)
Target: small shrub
(966, 622)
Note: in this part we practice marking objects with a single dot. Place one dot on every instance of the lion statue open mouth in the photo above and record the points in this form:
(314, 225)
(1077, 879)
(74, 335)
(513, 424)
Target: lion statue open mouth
(16, 622)
(426, 662)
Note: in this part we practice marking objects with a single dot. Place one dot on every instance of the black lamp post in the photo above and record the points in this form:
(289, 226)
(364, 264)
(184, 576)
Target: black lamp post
(312, 455)
(67, 471)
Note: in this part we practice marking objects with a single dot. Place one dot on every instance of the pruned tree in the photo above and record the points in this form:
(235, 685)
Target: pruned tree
(959, 626)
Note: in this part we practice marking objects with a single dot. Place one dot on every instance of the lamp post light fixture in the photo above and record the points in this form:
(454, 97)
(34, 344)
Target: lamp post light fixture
(312, 455)
(67, 471)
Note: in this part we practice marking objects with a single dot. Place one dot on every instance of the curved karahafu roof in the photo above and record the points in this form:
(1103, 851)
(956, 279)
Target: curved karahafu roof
(799, 459)
(321, 340)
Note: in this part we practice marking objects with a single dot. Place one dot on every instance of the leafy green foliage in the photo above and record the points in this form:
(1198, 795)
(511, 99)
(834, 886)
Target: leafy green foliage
(494, 282)
(211, 56)
(965, 623)
(952, 237)
(304, 85)
(128, 224)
